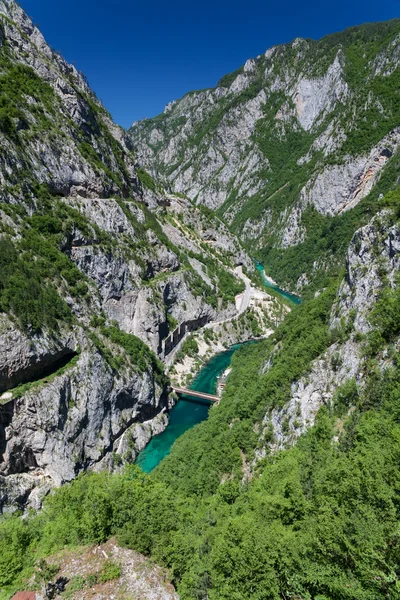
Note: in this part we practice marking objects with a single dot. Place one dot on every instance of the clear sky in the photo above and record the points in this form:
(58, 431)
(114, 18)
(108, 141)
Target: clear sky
(138, 56)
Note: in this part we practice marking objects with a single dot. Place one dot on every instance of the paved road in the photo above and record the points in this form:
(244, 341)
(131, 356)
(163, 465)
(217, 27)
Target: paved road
(248, 291)
(244, 305)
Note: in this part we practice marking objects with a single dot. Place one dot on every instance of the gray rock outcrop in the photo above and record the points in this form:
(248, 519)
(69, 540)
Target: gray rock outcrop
(69, 116)
(69, 424)
(24, 358)
(373, 261)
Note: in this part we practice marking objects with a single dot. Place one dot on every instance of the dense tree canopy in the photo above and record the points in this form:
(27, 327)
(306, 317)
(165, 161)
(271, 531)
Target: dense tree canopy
(317, 521)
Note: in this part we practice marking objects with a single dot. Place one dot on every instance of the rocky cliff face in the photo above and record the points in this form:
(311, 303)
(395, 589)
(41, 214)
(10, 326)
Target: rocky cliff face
(307, 125)
(72, 421)
(98, 268)
(45, 94)
(372, 265)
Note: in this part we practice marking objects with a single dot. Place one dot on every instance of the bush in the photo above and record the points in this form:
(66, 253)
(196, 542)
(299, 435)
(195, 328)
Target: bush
(110, 571)
(139, 353)
(25, 293)
(189, 348)
(345, 397)
(146, 179)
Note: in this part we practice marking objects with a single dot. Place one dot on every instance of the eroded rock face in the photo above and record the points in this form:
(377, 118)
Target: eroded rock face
(373, 256)
(341, 187)
(24, 358)
(314, 96)
(339, 364)
(59, 429)
(107, 269)
(106, 214)
(373, 262)
(227, 160)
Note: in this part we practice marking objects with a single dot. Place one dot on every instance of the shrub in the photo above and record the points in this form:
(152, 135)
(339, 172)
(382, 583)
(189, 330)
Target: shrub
(110, 571)
(25, 293)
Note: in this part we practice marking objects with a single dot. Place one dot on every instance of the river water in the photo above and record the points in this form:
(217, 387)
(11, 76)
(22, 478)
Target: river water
(186, 413)
(291, 297)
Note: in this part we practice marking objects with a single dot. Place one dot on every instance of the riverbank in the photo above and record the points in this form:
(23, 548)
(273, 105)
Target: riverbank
(186, 413)
(184, 371)
(269, 283)
(258, 322)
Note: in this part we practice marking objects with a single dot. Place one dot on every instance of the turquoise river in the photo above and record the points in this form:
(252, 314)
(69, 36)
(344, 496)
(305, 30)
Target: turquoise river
(268, 284)
(187, 413)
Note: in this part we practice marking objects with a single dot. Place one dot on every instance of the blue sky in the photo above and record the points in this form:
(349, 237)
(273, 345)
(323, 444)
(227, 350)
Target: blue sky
(138, 56)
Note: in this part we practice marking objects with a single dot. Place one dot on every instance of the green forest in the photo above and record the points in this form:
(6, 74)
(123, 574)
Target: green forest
(318, 521)
(231, 513)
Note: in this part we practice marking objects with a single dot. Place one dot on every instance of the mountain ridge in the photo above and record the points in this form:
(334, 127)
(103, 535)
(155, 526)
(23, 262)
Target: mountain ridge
(290, 488)
(285, 116)
(100, 269)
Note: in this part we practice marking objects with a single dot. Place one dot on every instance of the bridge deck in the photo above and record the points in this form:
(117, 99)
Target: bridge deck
(194, 394)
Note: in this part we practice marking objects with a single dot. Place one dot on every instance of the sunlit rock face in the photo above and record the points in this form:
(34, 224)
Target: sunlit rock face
(300, 127)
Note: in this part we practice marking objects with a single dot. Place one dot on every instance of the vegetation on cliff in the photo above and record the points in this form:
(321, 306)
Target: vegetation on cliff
(317, 520)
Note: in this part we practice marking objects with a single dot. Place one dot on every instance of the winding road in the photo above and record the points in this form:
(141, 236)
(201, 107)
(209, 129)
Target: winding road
(242, 304)
(247, 294)
(243, 298)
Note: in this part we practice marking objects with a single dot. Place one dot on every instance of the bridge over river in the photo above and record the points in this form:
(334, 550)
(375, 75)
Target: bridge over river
(194, 394)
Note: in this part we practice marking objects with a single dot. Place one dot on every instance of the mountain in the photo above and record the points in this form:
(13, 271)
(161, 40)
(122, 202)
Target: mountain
(102, 276)
(286, 145)
(126, 260)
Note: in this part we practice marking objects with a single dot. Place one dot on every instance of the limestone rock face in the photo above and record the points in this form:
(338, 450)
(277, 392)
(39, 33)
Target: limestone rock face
(56, 431)
(95, 411)
(314, 96)
(339, 364)
(109, 271)
(295, 129)
(374, 255)
(373, 262)
(106, 214)
(341, 187)
(23, 358)
(118, 274)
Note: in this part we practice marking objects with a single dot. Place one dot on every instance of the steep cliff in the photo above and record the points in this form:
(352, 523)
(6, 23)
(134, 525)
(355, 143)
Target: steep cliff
(101, 274)
(285, 146)
(371, 278)
(53, 128)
